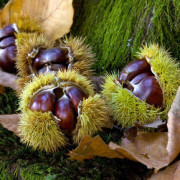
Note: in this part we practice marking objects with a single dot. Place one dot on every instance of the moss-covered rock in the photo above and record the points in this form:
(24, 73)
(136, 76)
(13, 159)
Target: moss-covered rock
(116, 29)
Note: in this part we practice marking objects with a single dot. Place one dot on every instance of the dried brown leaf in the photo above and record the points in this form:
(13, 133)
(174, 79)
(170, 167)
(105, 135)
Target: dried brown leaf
(8, 80)
(148, 148)
(10, 122)
(173, 146)
(56, 16)
(90, 147)
(172, 172)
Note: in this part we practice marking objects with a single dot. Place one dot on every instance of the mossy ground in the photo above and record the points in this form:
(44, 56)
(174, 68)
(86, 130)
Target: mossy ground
(115, 29)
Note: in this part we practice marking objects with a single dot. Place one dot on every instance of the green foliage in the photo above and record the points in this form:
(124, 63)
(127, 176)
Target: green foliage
(117, 28)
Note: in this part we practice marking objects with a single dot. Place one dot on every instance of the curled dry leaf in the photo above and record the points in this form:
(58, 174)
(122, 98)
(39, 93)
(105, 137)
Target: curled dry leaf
(56, 16)
(173, 146)
(172, 172)
(8, 80)
(10, 122)
(153, 149)
(148, 148)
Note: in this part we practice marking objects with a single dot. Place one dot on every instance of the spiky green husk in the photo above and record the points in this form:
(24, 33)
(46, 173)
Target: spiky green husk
(26, 42)
(166, 70)
(40, 130)
(94, 116)
(28, 24)
(125, 107)
(73, 76)
(83, 57)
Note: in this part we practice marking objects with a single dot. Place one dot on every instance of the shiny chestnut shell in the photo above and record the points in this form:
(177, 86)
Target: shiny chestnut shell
(65, 111)
(7, 55)
(51, 68)
(44, 101)
(50, 56)
(133, 69)
(7, 48)
(76, 95)
(138, 78)
(7, 31)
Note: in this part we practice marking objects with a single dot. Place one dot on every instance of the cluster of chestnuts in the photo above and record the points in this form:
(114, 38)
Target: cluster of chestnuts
(58, 99)
(139, 79)
(55, 106)
(8, 48)
(62, 102)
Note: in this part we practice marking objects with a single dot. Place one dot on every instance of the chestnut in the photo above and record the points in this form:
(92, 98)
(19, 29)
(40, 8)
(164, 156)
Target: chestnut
(50, 56)
(138, 78)
(7, 42)
(44, 101)
(65, 111)
(51, 68)
(76, 95)
(8, 49)
(150, 91)
(133, 69)
(8, 31)
(7, 55)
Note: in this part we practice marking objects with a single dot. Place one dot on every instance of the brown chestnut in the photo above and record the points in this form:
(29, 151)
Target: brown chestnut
(8, 48)
(65, 111)
(150, 91)
(133, 69)
(7, 42)
(50, 56)
(44, 101)
(138, 78)
(7, 55)
(76, 95)
(7, 31)
(51, 68)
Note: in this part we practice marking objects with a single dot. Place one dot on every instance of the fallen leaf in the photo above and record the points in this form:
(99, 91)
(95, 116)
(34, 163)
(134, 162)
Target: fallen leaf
(10, 122)
(172, 172)
(2, 90)
(90, 147)
(56, 16)
(8, 80)
(173, 146)
(148, 148)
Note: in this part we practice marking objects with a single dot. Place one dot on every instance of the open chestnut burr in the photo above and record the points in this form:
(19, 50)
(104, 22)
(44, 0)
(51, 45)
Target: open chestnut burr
(62, 102)
(144, 89)
(8, 48)
(56, 107)
(36, 55)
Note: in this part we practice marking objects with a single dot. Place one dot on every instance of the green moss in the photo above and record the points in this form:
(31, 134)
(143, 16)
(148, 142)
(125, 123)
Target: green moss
(116, 29)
